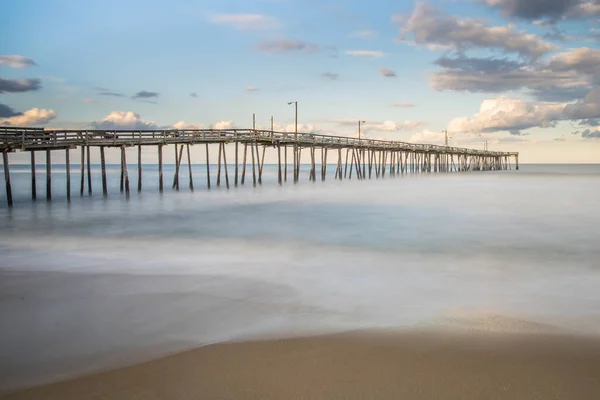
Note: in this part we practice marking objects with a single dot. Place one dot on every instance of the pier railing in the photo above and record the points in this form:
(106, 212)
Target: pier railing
(23, 138)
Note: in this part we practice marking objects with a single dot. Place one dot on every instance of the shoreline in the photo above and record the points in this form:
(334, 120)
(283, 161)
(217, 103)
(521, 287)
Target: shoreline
(416, 364)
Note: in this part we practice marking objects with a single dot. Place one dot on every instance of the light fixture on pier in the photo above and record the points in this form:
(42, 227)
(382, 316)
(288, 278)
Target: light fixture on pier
(296, 119)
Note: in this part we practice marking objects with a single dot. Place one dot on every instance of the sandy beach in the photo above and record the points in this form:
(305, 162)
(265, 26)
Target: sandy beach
(377, 365)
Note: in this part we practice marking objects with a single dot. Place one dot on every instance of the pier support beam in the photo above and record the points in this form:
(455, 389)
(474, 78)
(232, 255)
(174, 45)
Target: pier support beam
(89, 171)
(279, 164)
(235, 180)
(207, 168)
(160, 168)
(103, 171)
(139, 185)
(82, 170)
(48, 175)
(33, 177)
(189, 158)
(68, 167)
(9, 198)
(244, 161)
(124, 170)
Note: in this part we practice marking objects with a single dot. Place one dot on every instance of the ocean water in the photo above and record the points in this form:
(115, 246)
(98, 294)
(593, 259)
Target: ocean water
(98, 282)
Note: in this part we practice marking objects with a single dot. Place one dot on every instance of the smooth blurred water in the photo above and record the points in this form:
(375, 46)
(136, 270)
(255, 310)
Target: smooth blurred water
(99, 282)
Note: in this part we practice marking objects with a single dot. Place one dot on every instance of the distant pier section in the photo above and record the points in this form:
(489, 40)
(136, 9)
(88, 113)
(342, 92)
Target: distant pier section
(358, 157)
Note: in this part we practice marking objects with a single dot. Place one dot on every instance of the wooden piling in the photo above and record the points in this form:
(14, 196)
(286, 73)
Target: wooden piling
(285, 161)
(48, 175)
(33, 178)
(9, 198)
(225, 166)
(207, 168)
(82, 170)
(89, 171)
(189, 157)
(139, 183)
(245, 162)
(103, 171)
(235, 180)
(298, 160)
(261, 165)
(346, 168)
(68, 167)
(279, 178)
(219, 165)
(324, 166)
(177, 166)
(253, 165)
(160, 168)
(125, 174)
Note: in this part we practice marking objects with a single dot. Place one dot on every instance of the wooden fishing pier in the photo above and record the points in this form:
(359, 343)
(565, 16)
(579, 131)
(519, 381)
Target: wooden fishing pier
(366, 158)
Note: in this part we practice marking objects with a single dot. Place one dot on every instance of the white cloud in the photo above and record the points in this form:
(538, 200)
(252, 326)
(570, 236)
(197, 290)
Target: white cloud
(185, 125)
(34, 116)
(247, 21)
(508, 114)
(15, 61)
(364, 53)
(223, 125)
(124, 120)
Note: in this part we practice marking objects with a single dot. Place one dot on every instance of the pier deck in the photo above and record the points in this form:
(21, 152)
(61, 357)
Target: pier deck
(365, 157)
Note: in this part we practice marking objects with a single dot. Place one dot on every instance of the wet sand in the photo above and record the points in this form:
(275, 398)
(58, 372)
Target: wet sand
(359, 365)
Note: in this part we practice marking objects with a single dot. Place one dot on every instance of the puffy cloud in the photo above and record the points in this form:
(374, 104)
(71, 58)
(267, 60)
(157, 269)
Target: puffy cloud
(34, 116)
(586, 108)
(509, 114)
(16, 61)
(251, 89)
(286, 46)
(565, 76)
(19, 85)
(185, 125)
(6, 111)
(403, 104)
(364, 53)
(552, 10)
(223, 125)
(124, 120)
(330, 76)
(430, 27)
(365, 33)
(247, 21)
(387, 72)
(144, 94)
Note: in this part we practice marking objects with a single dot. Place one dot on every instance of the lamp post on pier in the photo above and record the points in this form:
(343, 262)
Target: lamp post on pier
(360, 122)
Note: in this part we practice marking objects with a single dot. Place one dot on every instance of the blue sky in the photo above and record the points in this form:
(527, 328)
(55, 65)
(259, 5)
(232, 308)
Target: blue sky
(410, 69)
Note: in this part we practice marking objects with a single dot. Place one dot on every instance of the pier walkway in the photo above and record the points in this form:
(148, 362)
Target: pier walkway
(366, 158)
